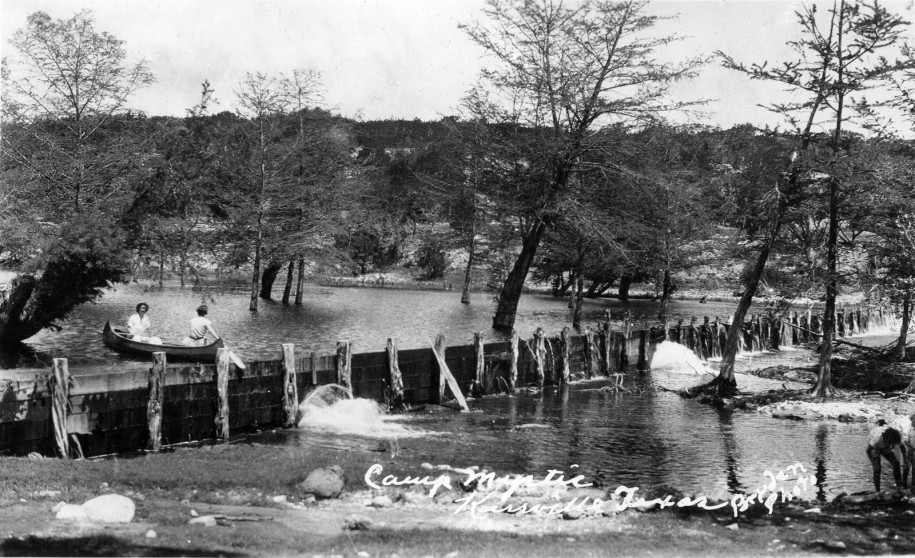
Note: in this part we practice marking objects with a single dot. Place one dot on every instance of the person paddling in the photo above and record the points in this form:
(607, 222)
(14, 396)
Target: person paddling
(200, 327)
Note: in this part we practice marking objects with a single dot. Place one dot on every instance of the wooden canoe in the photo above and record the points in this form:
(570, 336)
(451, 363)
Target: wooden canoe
(119, 341)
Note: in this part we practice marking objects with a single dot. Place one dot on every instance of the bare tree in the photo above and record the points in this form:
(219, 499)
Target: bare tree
(69, 165)
(560, 75)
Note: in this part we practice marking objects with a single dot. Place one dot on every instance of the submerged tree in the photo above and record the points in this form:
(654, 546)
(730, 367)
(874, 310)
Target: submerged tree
(70, 159)
(561, 75)
(840, 53)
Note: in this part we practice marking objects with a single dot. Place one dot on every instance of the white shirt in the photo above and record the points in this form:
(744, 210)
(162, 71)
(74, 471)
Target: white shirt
(138, 325)
(199, 326)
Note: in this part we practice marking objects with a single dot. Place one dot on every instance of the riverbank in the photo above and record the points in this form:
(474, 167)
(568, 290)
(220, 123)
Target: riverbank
(249, 506)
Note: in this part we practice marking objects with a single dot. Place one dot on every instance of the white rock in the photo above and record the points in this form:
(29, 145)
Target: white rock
(72, 511)
(194, 513)
(281, 499)
(733, 527)
(110, 508)
(205, 520)
(151, 534)
(813, 510)
(427, 466)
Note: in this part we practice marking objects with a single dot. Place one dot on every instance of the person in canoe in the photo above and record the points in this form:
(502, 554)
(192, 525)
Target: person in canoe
(200, 327)
(140, 327)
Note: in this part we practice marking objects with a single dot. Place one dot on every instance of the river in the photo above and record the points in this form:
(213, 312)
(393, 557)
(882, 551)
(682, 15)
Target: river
(365, 316)
(643, 439)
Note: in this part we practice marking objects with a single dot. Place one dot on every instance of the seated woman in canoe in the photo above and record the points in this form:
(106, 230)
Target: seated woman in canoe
(200, 327)
(140, 327)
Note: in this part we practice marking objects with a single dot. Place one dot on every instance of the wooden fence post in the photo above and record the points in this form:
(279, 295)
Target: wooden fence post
(313, 357)
(565, 336)
(222, 393)
(442, 380)
(642, 363)
(290, 390)
(540, 354)
(606, 361)
(394, 375)
(513, 368)
(589, 352)
(156, 399)
(60, 405)
(344, 364)
(480, 358)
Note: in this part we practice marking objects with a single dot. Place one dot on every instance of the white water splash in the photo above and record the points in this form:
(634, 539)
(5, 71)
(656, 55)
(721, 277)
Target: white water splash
(674, 357)
(359, 417)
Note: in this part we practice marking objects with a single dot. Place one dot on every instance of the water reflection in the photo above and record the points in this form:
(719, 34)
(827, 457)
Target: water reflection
(822, 450)
(731, 456)
(652, 439)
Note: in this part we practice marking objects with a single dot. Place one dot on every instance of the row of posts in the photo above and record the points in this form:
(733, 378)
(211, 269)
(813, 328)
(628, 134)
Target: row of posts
(706, 340)
(768, 331)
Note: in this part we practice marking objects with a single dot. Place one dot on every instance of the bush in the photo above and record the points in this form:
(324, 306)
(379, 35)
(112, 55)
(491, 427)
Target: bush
(431, 258)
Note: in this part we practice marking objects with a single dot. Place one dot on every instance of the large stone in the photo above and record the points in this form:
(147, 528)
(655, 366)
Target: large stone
(71, 512)
(110, 508)
(324, 482)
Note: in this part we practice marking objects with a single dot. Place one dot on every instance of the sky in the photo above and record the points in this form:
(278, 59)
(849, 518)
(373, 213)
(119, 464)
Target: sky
(397, 58)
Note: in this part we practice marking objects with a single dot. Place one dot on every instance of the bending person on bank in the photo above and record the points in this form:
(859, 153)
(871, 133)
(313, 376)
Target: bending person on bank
(200, 327)
(140, 327)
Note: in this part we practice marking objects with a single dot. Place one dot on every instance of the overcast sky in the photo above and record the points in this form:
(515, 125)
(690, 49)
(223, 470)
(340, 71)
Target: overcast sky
(393, 58)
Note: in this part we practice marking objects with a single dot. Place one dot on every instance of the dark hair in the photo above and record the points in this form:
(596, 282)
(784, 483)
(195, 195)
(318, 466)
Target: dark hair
(891, 437)
(202, 310)
(141, 305)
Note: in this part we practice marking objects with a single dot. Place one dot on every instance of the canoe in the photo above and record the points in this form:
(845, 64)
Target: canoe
(119, 340)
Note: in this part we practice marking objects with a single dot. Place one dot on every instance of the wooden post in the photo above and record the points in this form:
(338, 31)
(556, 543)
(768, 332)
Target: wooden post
(480, 359)
(513, 369)
(565, 335)
(60, 405)
(394, 376)
(156, 399)
(290, 390)
(606, 361)
(642, 363)
(222, 393)
(442, 379)
(313, 357)
(589, 352)
(344, 364)
(540, 354)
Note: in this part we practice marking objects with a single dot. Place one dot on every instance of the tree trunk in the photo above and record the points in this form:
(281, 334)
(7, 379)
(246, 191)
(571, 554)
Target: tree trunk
(300, 283)
(823, 386)
(504, 318)
(625, 283)
(269, 278)
(561, 286)
(290, 275)
(725, 383)
(468, 275)
(256, 273)
(161, 267)
(666, 290)
(904, 328)
(579, 297)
